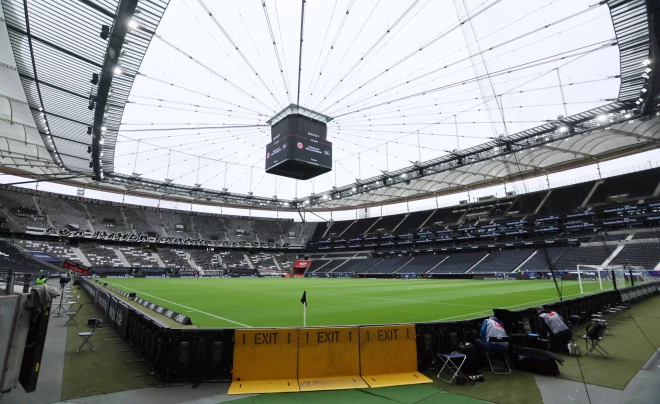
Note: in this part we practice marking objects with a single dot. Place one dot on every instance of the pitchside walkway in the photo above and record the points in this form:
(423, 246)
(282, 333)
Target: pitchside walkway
(104, 376)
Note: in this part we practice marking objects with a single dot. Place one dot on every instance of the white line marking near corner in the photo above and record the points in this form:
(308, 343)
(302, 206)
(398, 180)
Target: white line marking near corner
(404, 301)
(180, 305)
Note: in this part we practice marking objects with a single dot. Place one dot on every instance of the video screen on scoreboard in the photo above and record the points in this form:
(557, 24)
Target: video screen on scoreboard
(299, 148)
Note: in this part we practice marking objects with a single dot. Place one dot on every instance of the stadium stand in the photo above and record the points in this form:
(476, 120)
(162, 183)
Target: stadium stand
(267, 231)
(539, 263)
(12, 258)
(210, 227)
(204, 258)
(335, 264)
(64, 213)
(647, 235)
(20, 206)
(145, 222)
(239, 229)
(527, 203)
(626, 186)
(101, 256)
(54, 249)
(422, 264)
(645, 255)
(233, 260)
(502, 261)
(337, 228)
(437, 219)
(139, 258)
(388, 265)
(320, 229)
(263, 261)
(387, 224)
(178, 225)
(362, 265)
(413, 222)
(609, 237)
(459, 262)
(286, 260)
(591, 255)
(316, 265)
(173, 258)
(565, 199)
(107, 217)
(358, 228)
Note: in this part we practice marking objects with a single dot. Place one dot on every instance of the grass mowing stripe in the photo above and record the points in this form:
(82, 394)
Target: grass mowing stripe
(405, 301)
(180, 305)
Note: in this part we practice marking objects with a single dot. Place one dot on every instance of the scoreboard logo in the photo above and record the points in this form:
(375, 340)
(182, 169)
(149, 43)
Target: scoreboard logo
(300, 145)
(267, 155)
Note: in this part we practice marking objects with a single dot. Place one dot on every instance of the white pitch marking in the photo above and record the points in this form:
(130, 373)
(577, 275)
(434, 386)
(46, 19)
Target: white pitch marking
(405, 301)
(180, 305)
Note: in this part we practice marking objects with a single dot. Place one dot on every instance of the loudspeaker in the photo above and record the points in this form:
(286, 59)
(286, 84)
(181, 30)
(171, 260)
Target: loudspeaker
(217, 352)
(184, 352)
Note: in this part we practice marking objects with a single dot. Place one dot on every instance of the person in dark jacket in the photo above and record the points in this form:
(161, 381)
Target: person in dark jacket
(552, 326)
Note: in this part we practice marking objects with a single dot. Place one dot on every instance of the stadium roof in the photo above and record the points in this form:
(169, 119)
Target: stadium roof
(507, 102)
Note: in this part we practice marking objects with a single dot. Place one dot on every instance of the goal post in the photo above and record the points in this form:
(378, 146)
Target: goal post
(604, 277)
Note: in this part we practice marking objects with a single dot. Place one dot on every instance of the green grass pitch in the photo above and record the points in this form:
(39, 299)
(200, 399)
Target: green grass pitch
(275, 302)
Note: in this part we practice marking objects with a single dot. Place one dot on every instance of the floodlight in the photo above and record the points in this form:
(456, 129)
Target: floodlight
(117, 70)
(132, 24)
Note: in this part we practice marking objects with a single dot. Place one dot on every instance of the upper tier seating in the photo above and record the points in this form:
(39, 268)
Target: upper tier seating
(337, 228)
(267, 230)
(107, 218)
(386, 224)
(633, 185)
(502, 261)
(210, 227)
(526, 204)
(145, 221)
(239, 230)
(565, 199)
(413, 222)
(21, 207)
(358, 228)
(178, 225)
(64, 212)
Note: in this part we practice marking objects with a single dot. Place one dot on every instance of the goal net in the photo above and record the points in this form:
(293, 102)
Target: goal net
(596, 278)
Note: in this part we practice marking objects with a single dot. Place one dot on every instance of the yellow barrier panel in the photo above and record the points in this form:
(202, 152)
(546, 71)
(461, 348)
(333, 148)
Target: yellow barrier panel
(265, 361)
(329, 359)
(388, 356)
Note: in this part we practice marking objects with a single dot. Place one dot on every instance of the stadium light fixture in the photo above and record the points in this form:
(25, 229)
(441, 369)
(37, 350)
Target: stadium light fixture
(602, 117)
(117, 70)
(647, 70)
(646, 62)
(103, 128)
(563, 129)
(132, 24)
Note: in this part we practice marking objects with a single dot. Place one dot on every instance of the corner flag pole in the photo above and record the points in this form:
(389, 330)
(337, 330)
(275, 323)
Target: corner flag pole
(304, 302)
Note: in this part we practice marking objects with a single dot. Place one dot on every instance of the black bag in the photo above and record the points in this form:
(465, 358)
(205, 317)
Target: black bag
(471, 365)
(534, 363)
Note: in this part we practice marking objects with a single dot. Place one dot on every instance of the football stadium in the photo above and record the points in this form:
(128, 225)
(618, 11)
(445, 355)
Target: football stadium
(340, 201)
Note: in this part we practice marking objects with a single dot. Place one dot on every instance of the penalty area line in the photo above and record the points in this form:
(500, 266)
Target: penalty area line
(180, 305)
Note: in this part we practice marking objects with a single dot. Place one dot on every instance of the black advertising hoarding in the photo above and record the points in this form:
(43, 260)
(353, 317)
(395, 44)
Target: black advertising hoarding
(112, 311)
(121, 318)
(102, 302)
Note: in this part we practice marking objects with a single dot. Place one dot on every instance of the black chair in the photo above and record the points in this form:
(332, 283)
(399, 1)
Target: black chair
(495, 351)
(594, 336)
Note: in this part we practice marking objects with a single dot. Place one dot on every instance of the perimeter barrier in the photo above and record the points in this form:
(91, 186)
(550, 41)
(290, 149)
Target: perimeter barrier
(314, 358)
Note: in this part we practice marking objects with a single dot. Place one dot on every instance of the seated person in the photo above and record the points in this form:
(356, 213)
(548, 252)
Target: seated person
(491, 327)
(552, 326)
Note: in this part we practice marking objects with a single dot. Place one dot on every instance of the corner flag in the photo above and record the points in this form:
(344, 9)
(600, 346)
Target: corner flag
(304, 302)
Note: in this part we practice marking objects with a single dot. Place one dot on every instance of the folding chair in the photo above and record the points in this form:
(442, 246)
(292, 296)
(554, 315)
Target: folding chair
(453, 363)
(501, 352)
(87, 335)
(72, 313)
(594, 336)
